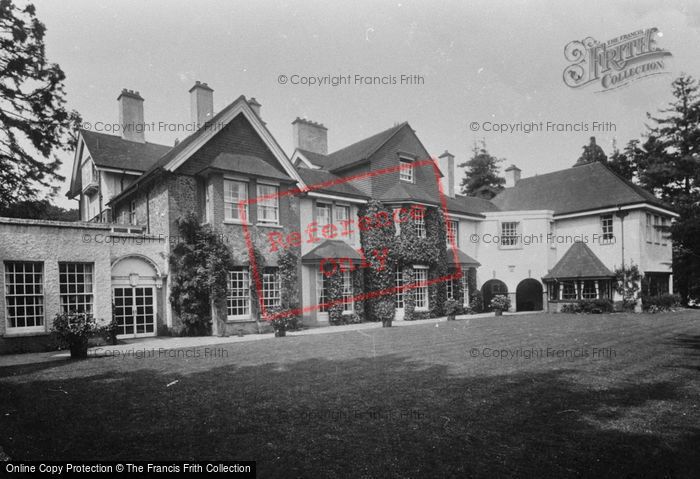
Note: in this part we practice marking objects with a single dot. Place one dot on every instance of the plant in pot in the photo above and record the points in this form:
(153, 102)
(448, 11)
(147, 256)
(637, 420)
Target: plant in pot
(500, 303)
(451, 309)
(75, 329)
(279, 319)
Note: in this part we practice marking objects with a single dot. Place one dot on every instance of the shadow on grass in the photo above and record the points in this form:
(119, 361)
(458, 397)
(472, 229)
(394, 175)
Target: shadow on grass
(386, 416)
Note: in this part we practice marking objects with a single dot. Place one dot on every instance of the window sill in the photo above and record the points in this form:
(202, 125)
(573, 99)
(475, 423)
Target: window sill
(247, 319)
(25, 333)
(234, 222)
(270, 225)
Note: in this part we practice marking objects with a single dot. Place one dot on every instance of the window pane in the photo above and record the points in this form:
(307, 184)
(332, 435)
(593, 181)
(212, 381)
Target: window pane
(268, 204)
(76, 287)
(24, 294)
(238, 297)
(234, 193)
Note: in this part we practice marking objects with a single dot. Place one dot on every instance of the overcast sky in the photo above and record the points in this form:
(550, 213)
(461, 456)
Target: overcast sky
(481, 61)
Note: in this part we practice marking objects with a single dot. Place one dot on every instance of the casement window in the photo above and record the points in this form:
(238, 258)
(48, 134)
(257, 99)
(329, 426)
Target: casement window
(649, 228)
(238, 294)
(268, 205)
(452, 228)
(398, 283)
(419, 222)
(234, 192)
(406, 173)
(420, 274)
(450, 288)
(323, 215)
(348, 303)
(589, 290)
(271, 288)
(569, 290)
(606, 226)
(342, 216)
(664, 226)
(76, 287)
(24, 296)
(509, 233)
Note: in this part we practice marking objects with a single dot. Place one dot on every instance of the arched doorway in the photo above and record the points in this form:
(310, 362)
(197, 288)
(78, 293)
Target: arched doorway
(492, 288)
(135, 279)
(528, 295)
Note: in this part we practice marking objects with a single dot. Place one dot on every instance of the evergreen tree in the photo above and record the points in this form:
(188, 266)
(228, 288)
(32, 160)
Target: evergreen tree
(481, 170)
(34, 123)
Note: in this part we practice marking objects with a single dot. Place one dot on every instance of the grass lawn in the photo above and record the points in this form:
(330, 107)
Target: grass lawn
(419, 401)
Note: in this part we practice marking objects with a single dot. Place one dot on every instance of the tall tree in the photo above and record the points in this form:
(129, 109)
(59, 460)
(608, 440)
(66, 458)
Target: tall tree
(35, 125)
(671, 167)
(481, 170)
(625, 162)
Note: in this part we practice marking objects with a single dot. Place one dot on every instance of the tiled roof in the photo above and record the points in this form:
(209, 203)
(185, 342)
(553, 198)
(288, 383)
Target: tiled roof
(112, 151)
(402, 191)
(316, 158)
(462, 258)
(331, 249)
(581, 188)
(358, 152)
(469, 205)
(325, 181)
(248, 164)
(579, 262)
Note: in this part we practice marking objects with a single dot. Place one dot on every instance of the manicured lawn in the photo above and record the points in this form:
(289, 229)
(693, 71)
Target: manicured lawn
(418, 401)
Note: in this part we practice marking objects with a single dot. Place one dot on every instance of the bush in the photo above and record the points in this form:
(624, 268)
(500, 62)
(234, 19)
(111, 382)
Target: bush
(476, 302)
(347, 318)
(452, 308)
(110, 330)
(74, 330)
(500, 302)
(589, 306)
(661, 302)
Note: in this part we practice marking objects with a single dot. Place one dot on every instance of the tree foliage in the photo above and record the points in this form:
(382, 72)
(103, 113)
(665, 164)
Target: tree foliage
(482, 169)
(39, 210)
(35, 125)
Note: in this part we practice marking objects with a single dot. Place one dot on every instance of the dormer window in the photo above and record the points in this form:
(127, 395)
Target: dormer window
(406, 172)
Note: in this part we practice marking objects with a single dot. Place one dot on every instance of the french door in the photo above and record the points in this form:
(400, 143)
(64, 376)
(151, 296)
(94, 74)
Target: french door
(134, 309)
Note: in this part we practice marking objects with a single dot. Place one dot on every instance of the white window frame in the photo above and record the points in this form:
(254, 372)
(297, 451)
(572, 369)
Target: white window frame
(406, 174)
(606, 227)
(657, 231)
(12, 299)
(231, 209)
(74, 294)
(271, 204)
(649, 228)
(465, 287)
(323, 206)
(420, 275)
(321, 283)
(348, 302)
(342, 223)
(510, 231)
(271, 288)
(242, 294)
(452, 232)
(419, 223)
(398, 283)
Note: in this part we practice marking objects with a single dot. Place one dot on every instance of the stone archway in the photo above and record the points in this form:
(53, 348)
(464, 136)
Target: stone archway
(492, 288)
(528, 295)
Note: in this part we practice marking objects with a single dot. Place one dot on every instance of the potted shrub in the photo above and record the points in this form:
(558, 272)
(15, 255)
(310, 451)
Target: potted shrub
(75, 329)
(500, 303)
(280, 322)
(451, 308)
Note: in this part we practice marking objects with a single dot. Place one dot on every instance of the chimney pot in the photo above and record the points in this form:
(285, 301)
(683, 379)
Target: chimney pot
(131, 116)
(446, 162)
(310, 136)
(512, 176)
(201, 103)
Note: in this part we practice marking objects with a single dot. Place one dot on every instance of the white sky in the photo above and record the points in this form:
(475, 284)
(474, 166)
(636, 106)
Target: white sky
(482, 61)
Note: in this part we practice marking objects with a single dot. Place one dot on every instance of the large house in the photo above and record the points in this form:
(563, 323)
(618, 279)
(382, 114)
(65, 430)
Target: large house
(544, 240)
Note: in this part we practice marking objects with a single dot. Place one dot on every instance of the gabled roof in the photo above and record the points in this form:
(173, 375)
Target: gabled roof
(112, 151)
(331, 249)
(579, 262)
(183, 150)
(469, 205)
(402, 191)
(578, 189)
(316, 159)
(462, 258)
(247, 164)
(357, 153)
(326, 182)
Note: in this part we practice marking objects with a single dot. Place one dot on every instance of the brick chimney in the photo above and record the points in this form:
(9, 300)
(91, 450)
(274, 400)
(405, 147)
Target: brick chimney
(131, 116)
(446, 162)
(201, 103)
(310, 136)
(512, 176)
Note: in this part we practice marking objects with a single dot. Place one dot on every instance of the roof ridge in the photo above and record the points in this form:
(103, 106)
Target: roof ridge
(395, 127)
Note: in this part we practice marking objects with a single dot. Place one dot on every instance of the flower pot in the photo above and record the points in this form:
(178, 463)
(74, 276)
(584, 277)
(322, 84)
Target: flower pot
(280, 333)
(78, 349)
(499, 312)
